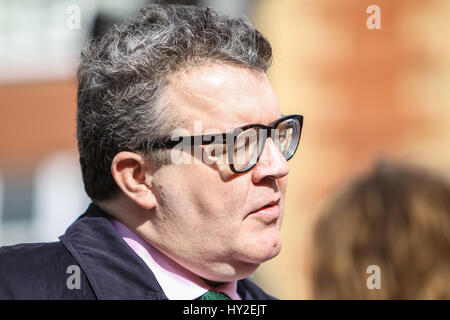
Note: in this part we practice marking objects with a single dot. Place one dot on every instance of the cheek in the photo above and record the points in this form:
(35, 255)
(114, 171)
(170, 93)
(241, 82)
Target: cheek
(227, 203)
(203, 190)
(224, 189)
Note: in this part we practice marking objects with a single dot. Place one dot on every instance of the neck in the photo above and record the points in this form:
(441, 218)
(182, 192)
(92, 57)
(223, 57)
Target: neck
(212, 283)
(125, 211)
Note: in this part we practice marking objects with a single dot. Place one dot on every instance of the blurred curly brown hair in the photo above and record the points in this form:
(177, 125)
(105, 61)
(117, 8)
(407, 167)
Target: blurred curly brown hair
(397, 218)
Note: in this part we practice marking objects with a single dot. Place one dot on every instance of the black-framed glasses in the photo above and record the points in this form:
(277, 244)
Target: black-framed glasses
(247, 142)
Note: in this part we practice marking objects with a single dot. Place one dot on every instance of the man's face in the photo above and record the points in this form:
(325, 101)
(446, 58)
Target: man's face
(205, 216)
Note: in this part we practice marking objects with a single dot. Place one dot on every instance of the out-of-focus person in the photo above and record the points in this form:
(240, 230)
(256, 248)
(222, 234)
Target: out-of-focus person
(386, 235)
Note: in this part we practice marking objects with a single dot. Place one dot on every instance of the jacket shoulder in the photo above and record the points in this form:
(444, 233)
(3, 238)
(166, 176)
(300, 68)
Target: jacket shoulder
(40, 271)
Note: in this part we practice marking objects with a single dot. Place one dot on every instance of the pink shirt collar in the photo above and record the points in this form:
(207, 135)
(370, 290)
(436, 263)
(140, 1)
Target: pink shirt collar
(177, 282)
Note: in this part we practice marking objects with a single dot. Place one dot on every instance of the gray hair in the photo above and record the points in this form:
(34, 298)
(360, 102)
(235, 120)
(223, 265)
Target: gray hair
(122, 77)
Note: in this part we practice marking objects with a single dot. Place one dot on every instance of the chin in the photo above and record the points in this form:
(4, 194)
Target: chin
(262, 250)
(245, 260)
(272, 252)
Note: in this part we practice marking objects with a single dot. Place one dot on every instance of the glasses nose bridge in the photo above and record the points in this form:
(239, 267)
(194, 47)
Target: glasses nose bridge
(271, 162)
(265, 133)
(274, 146)
(270, 130)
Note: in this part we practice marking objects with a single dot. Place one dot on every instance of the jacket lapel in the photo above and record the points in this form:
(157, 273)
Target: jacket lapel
(113, 269)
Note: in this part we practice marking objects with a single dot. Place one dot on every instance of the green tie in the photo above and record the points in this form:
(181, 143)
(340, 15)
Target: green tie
(212, 295)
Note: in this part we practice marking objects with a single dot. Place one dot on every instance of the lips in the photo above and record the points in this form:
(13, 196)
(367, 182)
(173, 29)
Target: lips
(268, 211)
(267, 204)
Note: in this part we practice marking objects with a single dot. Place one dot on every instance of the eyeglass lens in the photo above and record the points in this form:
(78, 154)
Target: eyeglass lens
(249, 143)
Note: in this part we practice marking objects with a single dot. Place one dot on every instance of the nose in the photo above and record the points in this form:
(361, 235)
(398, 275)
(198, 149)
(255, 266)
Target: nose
(271, 164)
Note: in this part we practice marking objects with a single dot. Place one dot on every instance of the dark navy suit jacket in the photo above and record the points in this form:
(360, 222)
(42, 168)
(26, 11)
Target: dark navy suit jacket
(107, 267)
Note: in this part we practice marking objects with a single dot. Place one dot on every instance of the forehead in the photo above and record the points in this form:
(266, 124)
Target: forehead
(221, 96)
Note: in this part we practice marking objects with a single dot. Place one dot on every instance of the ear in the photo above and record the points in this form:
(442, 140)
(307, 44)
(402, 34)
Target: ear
(132, 175)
